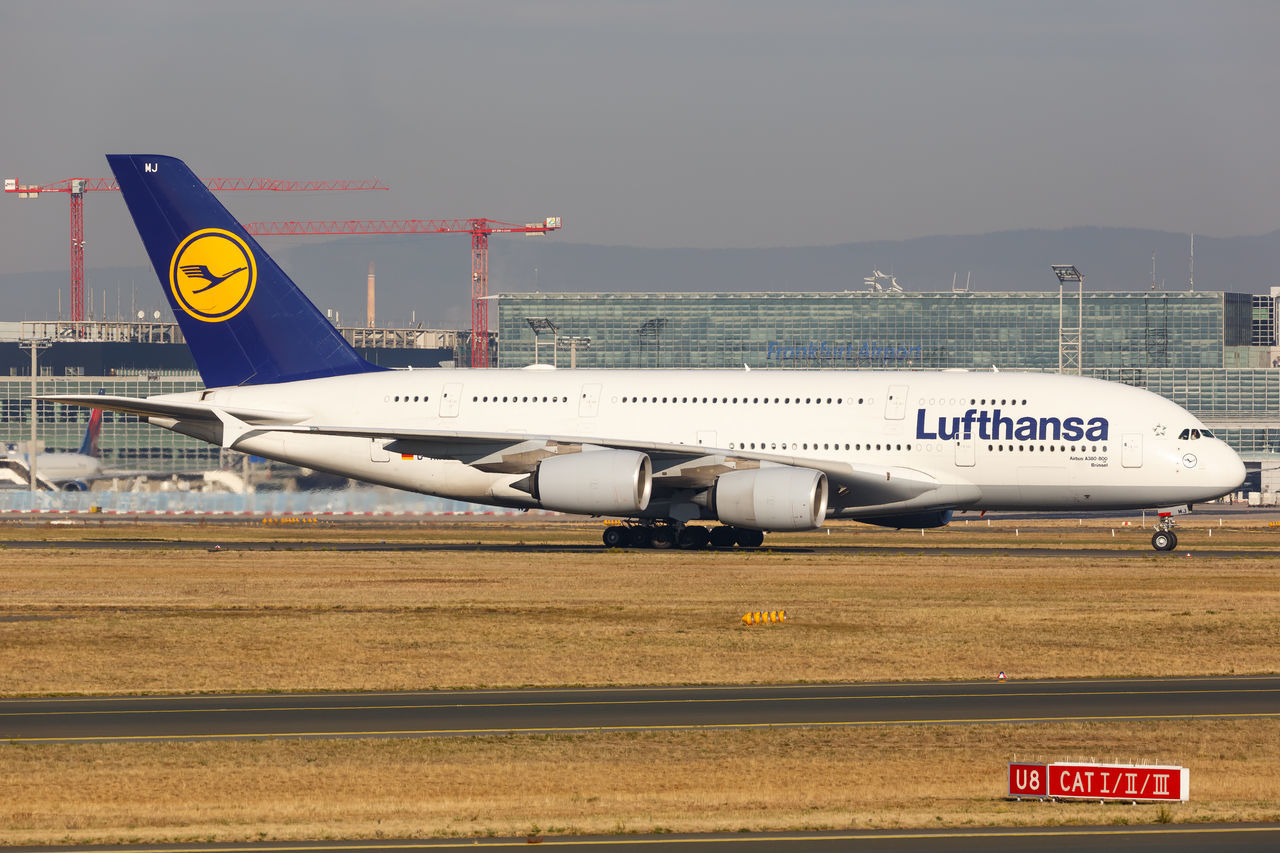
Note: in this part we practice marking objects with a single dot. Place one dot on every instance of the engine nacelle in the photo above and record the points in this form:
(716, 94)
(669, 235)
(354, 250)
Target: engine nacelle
(594, 482)
(781, 498)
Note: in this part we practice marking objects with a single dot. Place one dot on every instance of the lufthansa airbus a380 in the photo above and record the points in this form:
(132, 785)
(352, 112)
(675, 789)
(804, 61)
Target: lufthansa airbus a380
(755, 450)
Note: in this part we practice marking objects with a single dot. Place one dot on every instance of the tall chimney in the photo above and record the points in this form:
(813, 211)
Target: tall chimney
(369, 312)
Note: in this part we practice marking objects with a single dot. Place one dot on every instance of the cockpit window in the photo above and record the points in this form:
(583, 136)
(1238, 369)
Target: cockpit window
(1192, 434)
(1184, 435)
(1206, 433)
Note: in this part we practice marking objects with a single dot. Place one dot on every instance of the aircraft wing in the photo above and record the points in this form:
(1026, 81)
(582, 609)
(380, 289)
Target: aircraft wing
(675, 466)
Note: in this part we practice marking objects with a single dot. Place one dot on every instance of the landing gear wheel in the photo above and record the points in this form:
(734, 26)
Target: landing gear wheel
(662, 538)
(750, 538)
(693, 538)
(640, 537)
(615, 537)
(1164, 540)
(723, 537)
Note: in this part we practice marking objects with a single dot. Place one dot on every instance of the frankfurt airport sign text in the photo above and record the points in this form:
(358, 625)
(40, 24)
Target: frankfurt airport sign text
(827, 351)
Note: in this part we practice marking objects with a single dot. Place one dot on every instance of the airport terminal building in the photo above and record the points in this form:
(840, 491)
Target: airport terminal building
(1206, 351)
(143, 359)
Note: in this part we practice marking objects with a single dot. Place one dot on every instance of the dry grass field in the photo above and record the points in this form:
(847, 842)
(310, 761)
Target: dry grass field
(118, 621)
(781, 779)
(862, 604)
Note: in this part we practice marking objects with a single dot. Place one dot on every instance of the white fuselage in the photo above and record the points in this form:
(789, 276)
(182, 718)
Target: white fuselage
(1014, 441)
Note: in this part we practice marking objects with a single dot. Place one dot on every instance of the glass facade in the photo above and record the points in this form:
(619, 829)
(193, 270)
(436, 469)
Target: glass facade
(1188, 347)
(1264, 320)
(126, 443)
(916, 330)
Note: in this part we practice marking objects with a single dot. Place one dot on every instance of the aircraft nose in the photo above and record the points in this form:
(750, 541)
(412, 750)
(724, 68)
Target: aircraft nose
(1229, 472)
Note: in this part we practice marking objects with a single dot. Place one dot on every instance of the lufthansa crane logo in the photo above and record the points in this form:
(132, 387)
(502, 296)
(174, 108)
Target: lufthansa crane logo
(212, 275)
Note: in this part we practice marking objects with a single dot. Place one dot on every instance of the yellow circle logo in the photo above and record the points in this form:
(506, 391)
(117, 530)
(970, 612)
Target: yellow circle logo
(212, 275)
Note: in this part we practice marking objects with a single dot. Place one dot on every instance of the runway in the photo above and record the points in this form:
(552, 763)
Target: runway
(497, 712)
(1224, 838)
(1188, 547)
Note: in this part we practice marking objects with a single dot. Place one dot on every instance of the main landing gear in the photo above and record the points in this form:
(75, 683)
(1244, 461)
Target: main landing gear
(684, 537)
(1164, 539)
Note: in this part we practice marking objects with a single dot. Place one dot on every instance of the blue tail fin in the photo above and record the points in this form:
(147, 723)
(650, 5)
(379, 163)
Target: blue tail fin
(244, 320)
(89, 447)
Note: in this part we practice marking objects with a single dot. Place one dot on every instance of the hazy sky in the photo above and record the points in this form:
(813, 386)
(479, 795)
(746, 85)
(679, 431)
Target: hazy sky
(727, 123)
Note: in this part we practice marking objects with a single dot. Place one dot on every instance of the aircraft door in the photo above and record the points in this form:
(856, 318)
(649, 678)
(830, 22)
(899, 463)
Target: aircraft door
(1131, 450)
(964, 452)
(707, 438)
(895, 406)
(589, 402)
(451, 399)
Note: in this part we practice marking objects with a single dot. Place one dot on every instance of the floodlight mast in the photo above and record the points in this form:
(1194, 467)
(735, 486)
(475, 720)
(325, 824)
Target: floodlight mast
(539, 325)
(1070, 339)
(574, 343)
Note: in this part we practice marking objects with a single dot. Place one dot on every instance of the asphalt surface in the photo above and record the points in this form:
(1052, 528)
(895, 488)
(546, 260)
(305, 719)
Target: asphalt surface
(1190, 544)
(1221, 838)
(490, 712)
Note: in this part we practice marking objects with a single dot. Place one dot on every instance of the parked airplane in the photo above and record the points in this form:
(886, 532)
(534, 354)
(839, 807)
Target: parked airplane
(70, 472)
(756, 450)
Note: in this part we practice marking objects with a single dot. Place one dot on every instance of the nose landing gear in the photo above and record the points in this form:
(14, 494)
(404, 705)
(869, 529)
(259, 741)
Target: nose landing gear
(1164, 539)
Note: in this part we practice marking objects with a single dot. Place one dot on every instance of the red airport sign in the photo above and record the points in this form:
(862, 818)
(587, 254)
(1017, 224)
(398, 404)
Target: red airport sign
(1028, 780)
(1128, 782)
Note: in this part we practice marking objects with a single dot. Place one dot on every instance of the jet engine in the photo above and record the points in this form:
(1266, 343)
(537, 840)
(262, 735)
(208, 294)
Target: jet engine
(781, 498)
(594, 482)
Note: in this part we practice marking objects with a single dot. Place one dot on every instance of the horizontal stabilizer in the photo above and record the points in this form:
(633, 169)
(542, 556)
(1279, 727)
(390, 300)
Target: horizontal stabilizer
(182, 410)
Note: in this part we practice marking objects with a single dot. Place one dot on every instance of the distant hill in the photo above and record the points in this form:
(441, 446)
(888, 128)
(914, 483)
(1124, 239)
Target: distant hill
(427, 278)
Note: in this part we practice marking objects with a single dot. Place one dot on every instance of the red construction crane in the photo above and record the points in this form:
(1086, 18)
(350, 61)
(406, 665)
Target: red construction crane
(77, 187)
(479, 229)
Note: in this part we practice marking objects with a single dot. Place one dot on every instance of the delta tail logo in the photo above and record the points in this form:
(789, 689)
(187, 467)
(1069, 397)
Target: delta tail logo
(212, 275)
